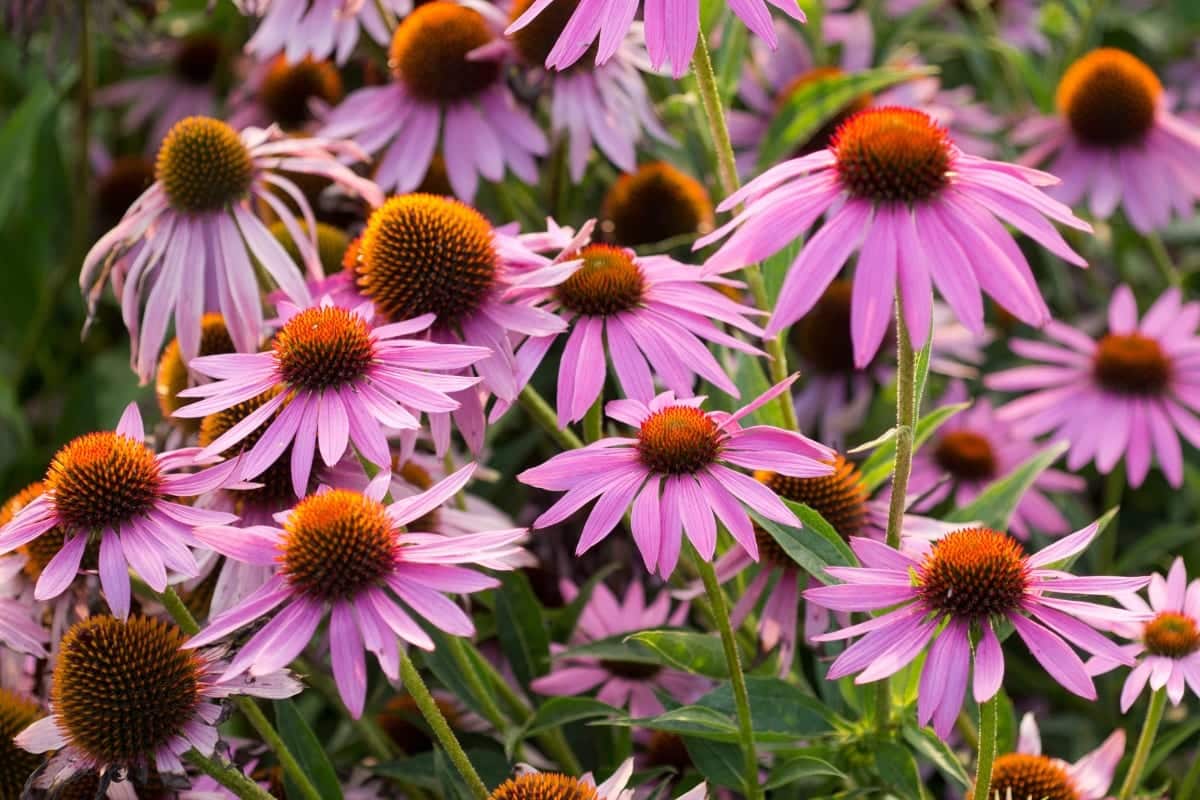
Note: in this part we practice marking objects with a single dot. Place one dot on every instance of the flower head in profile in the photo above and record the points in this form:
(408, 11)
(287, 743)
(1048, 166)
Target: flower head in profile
(442, 90)
(658, 202)
(1028, 773)
(108, 492)
(958, 589)
(1167, 644)
(345, 555)
(530, 784)
(893, 186)
(193, 243)
(320, 29)
(1116, 142)
(1127, 395)
(623, 684)
(675, 474)
(129, 695)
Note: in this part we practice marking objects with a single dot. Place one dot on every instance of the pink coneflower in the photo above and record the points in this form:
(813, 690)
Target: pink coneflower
(676, 474)
(1115, 140)
(653, 311)
(333, 381)
(109, 489)
(623, 684)
(671, 30)
(440, 92)
(893, 186)
(348, 554)
(19, 630)
(318, 28)
(1127, 395)
(292, 95)
(529, 782)
(973, 449)
(1029, 774)
(130, 695)
(198, 241)
(971, 579)
(1167, 647)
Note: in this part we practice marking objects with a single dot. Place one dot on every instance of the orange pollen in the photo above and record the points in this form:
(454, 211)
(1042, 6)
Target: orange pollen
(1109, 98)
(656, 203)
(324, 347)
(974, 573)
(102, 479)
(286, 89)
(1022, 776)
(609, 282)
(544, 786)
(892, 155)
(678, 440)
(966, 455)
(1130, 363)
(840, 498)
(1171, 634)
(429, 53)
(338, 543)
(822, 336)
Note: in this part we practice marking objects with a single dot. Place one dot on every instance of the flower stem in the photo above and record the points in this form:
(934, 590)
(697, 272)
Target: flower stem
(1162, 258)
(741, 696)
(491, 711)
(593, 423)
(536, 407)
(1154, 715)
(989, 715)
(228, 776)
(441, 729)
(1114, 491)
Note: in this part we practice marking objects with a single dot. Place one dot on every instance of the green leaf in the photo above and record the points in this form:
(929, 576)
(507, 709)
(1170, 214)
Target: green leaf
(814, 547)
(877, 468)
(898, 770)
(751, 381)
(1168, 743)
(697, 653)
(614, 648)
(995, 504)
(781, 712)
(718, 762)
(521, 628)
(814, 105)
(18, 138)
(691, 720)
(922, 376)
(421, 770)
(559, 711)
(798, 768)
(307, 749)
(930, 747)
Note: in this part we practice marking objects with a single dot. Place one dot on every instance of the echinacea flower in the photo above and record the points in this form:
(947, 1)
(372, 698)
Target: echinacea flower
(671, 30)
(131, 695)
(1128, 395)
(17, 712)
(1167, 646)
(318, 28)
(346, 555)
(1115, 141)
(109, 490)
(194, 240)
(623, 684)
(439, 92)
(961, 586)
(1029, 774)
(292, 95)
(893, 186)
(656, 203)
(652, 311)
(675, 474)
(529, 783)
(332, 380)
(974, 448)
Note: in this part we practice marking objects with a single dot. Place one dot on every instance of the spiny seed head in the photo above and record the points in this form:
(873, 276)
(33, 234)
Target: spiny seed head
(544, 786)
(172, 375)
(822, 336)
(821, 139)
(1109, 98)
(609, 282)
(16, 765)
(203, 165)
(967, 455)
(429, 53)
(122, 690)
(287, 87)
(197, 59)
(840, 498)
(338, 543)
(678, 440)
(1131, 363)
(1172, 635)
(121, 185)
(422, 254)
(276, 491)
(892, 155)
(102, 479)
(1028, 777)
(973, 574)
(535, 41)
(324, 347)
(331, 244)
(401, 720)
(656, 203)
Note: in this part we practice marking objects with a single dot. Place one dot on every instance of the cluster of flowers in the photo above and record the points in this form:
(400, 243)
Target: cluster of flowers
(330, 384)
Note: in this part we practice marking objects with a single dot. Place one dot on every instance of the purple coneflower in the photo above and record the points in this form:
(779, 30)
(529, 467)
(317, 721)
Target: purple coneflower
(197, 238)
(894, 187)
(346, 554)
(1128, 395)
(1116, 141)
(318, 28)
(675, 474)
(1027, 773)
(623, 684)
(109, 490)
(964, 585)
(292, 95)
(529, 782)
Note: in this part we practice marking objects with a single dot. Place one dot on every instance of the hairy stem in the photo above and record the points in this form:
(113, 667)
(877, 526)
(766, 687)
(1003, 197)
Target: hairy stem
(989, 714)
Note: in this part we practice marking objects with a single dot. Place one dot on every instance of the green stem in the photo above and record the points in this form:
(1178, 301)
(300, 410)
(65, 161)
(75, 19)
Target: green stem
(228, 776)
(441, 729)
(989, 715)
(741, 696)
(466, 667)
(1154, 715)
(1162, 258)
(593, 422)
(541, 412)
